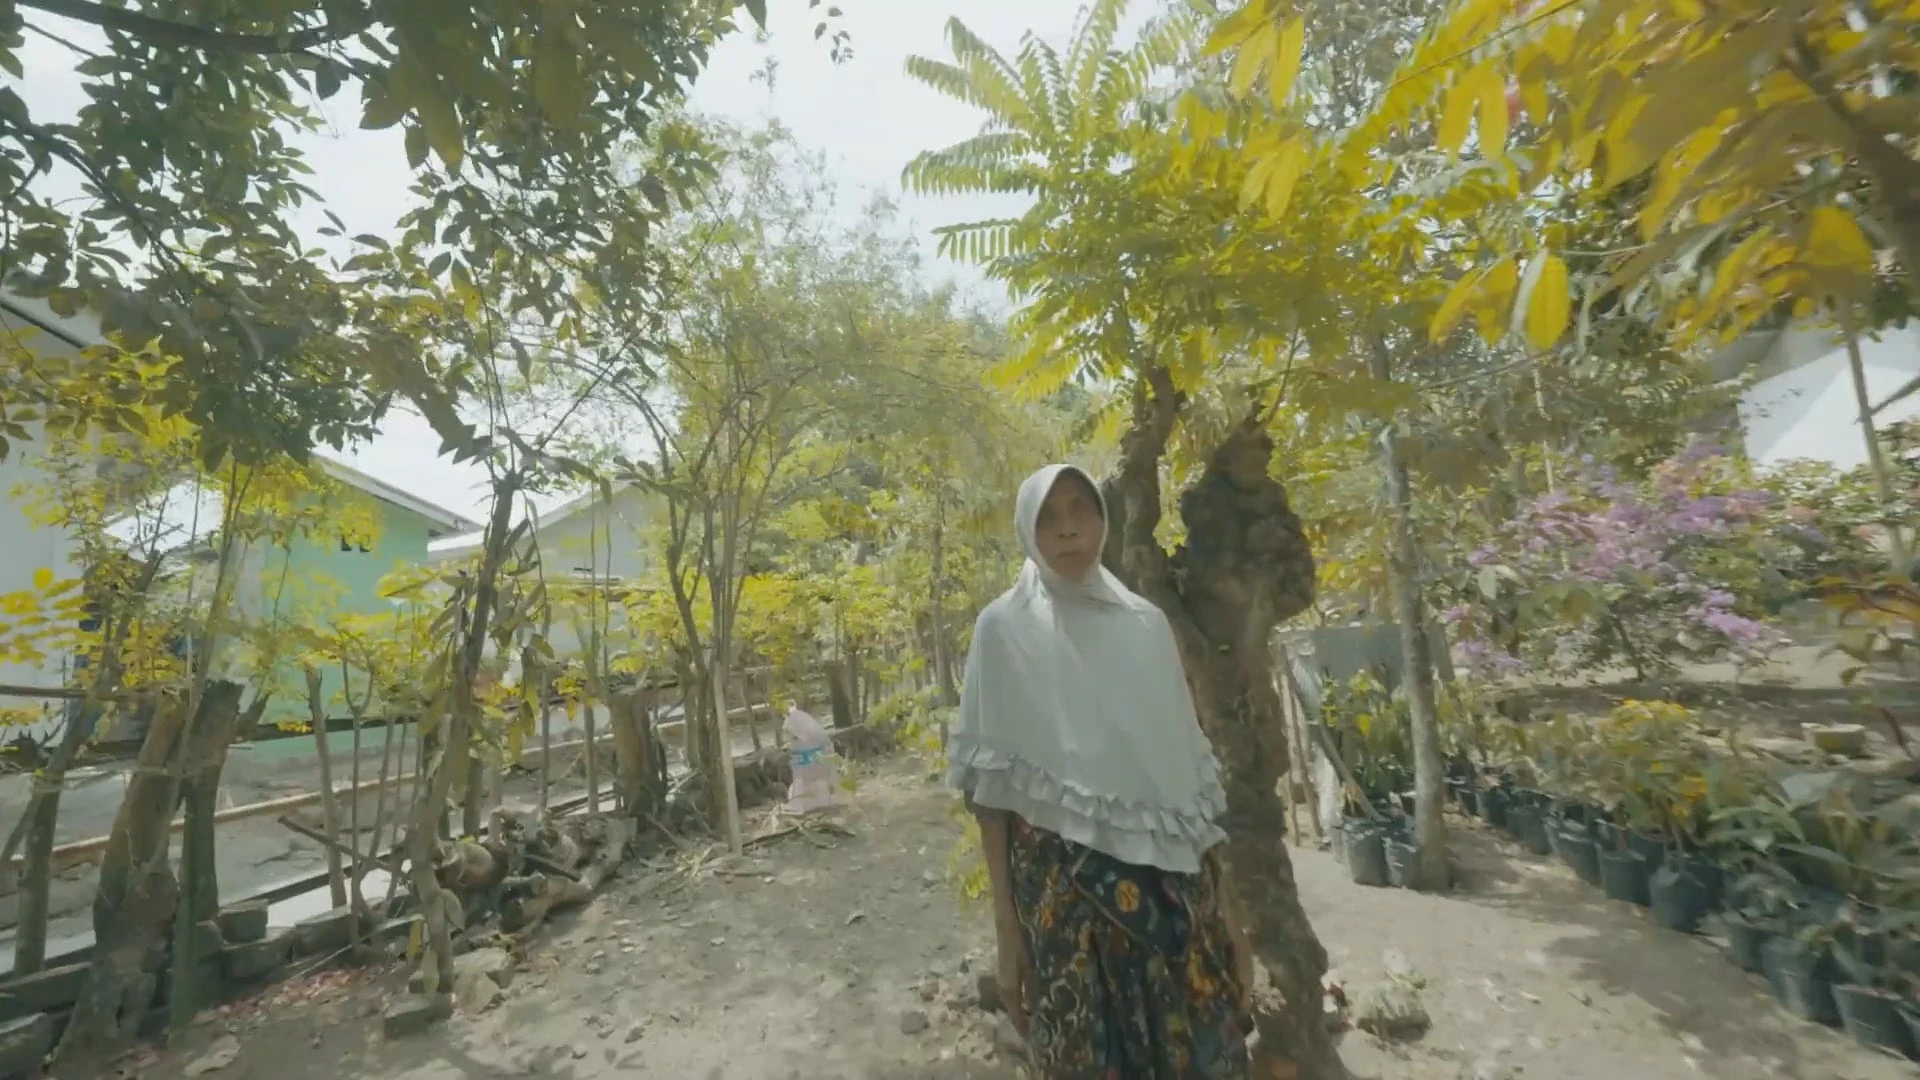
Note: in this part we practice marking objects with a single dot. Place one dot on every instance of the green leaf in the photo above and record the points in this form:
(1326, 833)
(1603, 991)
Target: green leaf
(557, 81)
(441, 123)
(381, 106)
(758, 10)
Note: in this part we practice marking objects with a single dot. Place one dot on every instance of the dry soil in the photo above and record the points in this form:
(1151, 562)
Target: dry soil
(831, 956)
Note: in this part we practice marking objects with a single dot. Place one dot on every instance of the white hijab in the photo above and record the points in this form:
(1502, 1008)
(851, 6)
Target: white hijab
(1076, 713)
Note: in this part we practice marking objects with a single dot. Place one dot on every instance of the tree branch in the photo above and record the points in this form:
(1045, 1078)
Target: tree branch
(159, 31)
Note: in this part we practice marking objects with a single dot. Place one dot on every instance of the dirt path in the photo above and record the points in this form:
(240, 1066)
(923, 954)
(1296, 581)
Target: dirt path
(815, 962)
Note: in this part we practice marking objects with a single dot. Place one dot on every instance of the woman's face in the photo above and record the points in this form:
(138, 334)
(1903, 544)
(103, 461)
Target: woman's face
(1070, 528)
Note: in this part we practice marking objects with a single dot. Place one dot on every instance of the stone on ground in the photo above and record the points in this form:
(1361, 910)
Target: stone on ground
(218, 1056)
(244, 922)
(411, 1014)
(24, 1044)
(914, 1021)
(989, 986)
(475, 992)
(1391, 1010)
(494, 964)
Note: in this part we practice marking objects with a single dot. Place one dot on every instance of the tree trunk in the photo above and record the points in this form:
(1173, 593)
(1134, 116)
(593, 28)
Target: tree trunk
(1416, 653)
(131, 909)
(41, 821)
(1245, 567)
(329, 812)
(839, 694)
(423, 830)
(635, 748)
(725, 788)
(205, 757)
(936, 604)
(1876, 458)
(207, 746)
(593, 759)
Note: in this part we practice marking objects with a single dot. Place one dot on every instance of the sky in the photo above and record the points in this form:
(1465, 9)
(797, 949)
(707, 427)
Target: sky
(866, 115)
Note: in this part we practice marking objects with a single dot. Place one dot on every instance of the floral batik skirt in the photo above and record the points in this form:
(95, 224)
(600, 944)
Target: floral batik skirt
(1132, 970)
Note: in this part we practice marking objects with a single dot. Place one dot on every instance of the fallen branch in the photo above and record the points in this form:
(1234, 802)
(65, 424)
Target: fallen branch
(359, 858)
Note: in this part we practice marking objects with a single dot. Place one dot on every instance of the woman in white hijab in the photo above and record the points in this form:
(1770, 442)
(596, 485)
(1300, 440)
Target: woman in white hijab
(1096, 792)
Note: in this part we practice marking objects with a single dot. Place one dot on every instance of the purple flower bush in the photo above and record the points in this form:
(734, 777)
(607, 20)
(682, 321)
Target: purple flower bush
(1608, 572)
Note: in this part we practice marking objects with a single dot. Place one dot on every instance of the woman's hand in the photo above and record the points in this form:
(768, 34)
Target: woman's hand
(1013, 977)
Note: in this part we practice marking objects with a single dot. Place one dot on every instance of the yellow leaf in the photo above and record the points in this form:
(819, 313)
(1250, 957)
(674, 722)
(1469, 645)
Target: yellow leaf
(43, 579)
(1495, 299)
(1533, 99)
(1732, 266)
(1447, 316)
(1625, 157)
(1254, 54)
(1456, 114)
(1493, 115)
(1834, 242)
(1286, 61)
(1548, 305)
(1285, 173)
(1235, 29)
(1254, 187)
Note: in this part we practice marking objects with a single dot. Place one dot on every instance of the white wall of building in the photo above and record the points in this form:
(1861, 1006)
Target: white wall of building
(1807, 411)
(27, 547)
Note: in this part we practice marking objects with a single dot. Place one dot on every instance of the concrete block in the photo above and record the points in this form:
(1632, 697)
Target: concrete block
(24, 1043)
(207, 940)
(325, 933)
(251, 961)
(43, 991)
(246, 922)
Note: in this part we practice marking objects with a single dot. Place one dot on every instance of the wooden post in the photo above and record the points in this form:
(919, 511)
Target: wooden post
(593, 774)
(329, 813)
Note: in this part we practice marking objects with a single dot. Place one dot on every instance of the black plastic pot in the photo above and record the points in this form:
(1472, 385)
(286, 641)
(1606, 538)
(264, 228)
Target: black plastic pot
(1573, 811)
(1470, 801)
(1609, 836)
(1623, 876)
(1580, 852)
(1712, 879)
(1337, 841)
(1801, 979)
(1679, 900)
(1493, 807)
(1745, 943)
(1873, 1018)
(1402, 857)
(1529, 828)
(1366, 853)
(1651, 849)
(1910, 1016)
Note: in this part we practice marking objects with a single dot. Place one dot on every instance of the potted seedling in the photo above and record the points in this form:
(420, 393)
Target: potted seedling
(1870, 992)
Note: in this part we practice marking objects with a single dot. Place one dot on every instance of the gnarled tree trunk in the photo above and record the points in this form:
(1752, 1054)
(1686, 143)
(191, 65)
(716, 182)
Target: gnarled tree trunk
(642, 788)
(134, 903)
(1245, 567)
